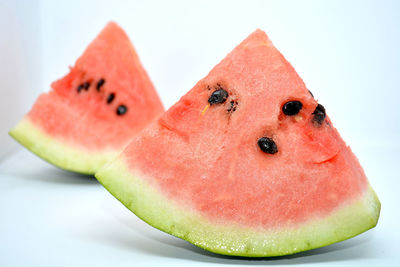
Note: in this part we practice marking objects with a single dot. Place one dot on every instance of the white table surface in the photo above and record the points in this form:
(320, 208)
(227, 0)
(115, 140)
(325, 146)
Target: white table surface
(50, 217)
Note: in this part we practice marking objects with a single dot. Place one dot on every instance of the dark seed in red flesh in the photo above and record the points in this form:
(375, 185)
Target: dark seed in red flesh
(319, 115)
(292, 108)
(121, 110)
(218, 97)
(267, 145)
(232, 106)
(110, 98)
(86, 85)
(80, 88)
(100, 83)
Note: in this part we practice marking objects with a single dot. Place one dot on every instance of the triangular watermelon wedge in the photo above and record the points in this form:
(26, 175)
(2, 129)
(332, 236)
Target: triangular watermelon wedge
(92, 113)
(247, 163)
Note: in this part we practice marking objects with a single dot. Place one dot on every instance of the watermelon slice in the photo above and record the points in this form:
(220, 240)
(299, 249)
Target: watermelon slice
(92, 113)
(247, 163)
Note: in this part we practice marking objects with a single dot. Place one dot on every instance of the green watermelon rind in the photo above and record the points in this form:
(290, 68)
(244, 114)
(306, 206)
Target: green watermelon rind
(58, 152)
(149, 204)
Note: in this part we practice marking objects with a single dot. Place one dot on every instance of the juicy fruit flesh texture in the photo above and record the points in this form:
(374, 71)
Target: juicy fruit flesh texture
(210, 161)
(61, 119)
(263, 195)
(86, 117)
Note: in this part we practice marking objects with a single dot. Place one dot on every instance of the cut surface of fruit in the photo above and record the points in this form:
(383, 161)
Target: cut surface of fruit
(92, 112)
(247, 163)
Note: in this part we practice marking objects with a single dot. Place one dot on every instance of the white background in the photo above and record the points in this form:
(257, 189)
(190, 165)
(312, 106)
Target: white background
(347, 52)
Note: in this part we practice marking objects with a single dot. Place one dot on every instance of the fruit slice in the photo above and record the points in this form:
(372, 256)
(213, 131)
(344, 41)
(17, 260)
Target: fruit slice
(246, 163)
(93, 112)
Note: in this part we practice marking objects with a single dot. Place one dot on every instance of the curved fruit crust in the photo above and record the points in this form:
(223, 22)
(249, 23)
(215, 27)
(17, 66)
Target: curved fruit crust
(58, 152)
(149, 204)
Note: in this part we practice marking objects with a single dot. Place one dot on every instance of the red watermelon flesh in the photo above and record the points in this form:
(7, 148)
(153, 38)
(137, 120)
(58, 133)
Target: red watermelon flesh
(199, 173)
(92, 112)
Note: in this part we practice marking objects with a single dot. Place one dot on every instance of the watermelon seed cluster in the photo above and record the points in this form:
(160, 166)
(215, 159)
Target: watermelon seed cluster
(84, 86)
(291, 108)
(266, 144)
(121, 109)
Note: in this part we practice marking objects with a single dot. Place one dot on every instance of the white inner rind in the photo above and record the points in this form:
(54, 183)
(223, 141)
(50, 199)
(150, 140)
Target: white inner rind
(58, 152)
(149, 203)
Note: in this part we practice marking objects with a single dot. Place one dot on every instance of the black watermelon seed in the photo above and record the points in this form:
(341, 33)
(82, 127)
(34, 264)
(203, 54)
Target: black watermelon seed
(110, 98)
(292, 108)
(218, 97)
(121, 110)
(267, 145)
(80, 87)
(311, 93)
(319, 114)
(100, 84)
(86, 85)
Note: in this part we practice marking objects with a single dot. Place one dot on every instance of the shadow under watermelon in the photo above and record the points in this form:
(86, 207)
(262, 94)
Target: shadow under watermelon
(24, 165)
(53, 175)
